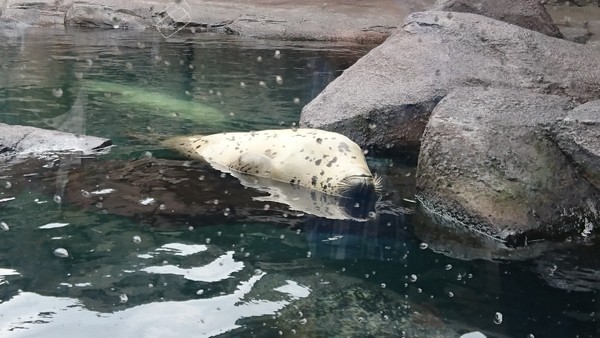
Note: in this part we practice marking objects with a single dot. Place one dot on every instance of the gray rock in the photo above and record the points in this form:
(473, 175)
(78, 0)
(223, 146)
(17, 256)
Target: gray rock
(339, 20)
(94, 16)
(386, 97)
(488, 163)
(530, 14)
(576, 34)
(569, 2)
(15, 14)
(578, 136)
(22, 141)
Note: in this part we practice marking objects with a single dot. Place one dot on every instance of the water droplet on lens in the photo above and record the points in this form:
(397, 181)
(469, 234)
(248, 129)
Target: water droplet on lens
(498, 318)
(4, 226)
(61, 252)
(57, 92)
(137, 239)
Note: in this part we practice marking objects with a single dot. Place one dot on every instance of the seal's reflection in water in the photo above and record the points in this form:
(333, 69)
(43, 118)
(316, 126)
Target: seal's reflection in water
(380, 239)
(357, 207)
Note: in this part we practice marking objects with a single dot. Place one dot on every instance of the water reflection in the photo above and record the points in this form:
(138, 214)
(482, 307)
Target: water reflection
(30, 315)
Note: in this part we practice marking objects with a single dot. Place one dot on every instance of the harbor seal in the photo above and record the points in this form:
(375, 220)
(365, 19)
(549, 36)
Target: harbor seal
(319, 160)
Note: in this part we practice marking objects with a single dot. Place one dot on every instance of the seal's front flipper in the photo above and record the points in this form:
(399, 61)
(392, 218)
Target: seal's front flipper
(252, 164)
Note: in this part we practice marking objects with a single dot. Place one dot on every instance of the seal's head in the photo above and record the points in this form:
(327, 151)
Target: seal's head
(360, 187)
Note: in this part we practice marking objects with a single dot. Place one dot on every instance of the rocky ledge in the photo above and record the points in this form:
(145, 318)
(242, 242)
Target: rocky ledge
(370, 22)
(505, 117)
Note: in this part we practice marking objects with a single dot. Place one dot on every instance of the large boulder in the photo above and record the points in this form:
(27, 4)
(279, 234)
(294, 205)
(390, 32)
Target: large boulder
(386, 97)
(18, 142)
(578, 136)
(530, 14)
(490, 163)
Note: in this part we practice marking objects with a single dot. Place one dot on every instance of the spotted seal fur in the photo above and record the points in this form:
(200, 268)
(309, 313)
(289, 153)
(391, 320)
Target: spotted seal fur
(319, 160)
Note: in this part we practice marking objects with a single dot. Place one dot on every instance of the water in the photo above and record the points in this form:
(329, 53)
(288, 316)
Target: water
(140, 242)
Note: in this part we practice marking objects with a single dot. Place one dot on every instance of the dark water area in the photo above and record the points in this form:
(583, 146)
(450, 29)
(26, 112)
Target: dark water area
(140, 242)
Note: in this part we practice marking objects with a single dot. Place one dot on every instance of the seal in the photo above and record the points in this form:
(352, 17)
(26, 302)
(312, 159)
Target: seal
(319, 160)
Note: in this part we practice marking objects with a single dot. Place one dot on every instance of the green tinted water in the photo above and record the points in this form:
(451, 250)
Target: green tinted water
(203, 258)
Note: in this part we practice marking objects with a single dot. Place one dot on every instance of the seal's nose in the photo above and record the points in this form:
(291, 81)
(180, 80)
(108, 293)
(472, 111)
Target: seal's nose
(360, 187)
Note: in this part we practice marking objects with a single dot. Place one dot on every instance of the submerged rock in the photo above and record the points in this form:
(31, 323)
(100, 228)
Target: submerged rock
(385, 99)
(489, 163)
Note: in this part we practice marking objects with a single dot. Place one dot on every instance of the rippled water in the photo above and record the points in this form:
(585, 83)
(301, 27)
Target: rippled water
(140, 242)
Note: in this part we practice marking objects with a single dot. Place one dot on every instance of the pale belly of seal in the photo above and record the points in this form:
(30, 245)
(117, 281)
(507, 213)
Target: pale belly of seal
(316, 159)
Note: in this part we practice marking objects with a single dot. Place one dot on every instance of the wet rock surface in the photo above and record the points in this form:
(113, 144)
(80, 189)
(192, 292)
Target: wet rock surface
(384, 99)
(488, 163)
(370, 22)
(530, 14)
(18, 142)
